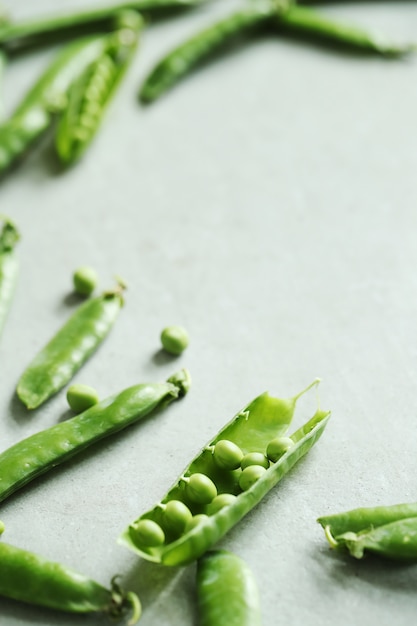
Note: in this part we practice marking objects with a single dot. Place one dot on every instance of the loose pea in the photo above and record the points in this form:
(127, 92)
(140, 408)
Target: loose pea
(254, 458)
(250, 475)
(2, 527)
(174, 339)
(195, 521)
(227, 454)
(277, 447)
(81, 397)
(219, 502)
(148, 533)
(200, 488)
(177, 515)
(85, 280)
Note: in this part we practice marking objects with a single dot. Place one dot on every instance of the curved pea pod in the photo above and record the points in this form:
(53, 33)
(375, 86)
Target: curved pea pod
(34, 115)
(29, 578)
(91, 92)
(185, 57)
(305, 21)
(252, 429)
(227, 593)
(9, 267)
(390, 531)
(42, 451)
(19, 36)
(66, 352)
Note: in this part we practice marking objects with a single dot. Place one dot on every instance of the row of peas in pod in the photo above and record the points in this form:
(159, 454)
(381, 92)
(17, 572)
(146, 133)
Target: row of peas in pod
(76, 89)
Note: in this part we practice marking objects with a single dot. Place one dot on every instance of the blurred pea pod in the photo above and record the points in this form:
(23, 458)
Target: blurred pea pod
(18, 36)
(9, 266)
(389, 531)
(223, 482)
(91, 92)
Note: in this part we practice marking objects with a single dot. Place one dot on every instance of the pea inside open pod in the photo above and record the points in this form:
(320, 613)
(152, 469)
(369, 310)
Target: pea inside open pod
(261, 421)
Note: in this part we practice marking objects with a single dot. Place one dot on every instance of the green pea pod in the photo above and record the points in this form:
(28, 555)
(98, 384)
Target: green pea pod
(19, 36)
(66, 352)
(251, 430)
(92, 91)
(183, 59)
(390, 531)
(9, 267)
(305, 21)
(30, 578)
(227, 592)
(42, 451)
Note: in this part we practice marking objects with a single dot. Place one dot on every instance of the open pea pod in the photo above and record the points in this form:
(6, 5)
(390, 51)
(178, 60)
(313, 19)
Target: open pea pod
(389, 531)
(210, 497)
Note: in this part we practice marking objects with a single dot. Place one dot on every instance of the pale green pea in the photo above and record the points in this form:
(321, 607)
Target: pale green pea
(250, 475)
(85, 280)
(148, 533)
(174, 339)
(254, 458)
(195, 521)
(200, 488)
(277, 447)
(227, 455)
(219, 502)
(81, 397)
(2, 527)
(177, 515)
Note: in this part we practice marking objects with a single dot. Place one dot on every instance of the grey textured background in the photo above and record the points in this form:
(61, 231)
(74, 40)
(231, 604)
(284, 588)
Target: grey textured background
(268, 204)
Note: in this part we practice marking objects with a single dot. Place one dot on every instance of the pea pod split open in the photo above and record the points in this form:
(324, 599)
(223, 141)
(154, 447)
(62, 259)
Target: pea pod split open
(389, 531)
(42, 451)
(28, 577)
(9, 266)
(210, 497)
(72, 345)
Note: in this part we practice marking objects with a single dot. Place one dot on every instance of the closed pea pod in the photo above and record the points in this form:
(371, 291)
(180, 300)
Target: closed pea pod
(73, 344)
(9, 266)
(28, 577)
(227, 593)
(251, 430)
(389, 531)
(91, 92)
(37, 454)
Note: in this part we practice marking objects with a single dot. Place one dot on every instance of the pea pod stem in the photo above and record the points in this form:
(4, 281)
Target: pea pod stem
(9, 266)
(39, 453)
(252, 429)
(29, 578)
(90, 94)
(68, 350)
(305, 21)
(19, 36)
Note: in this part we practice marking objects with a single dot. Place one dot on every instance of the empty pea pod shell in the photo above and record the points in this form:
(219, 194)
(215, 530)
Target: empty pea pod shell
(262, 420)
(91, 92)
(66, 352)
(37, 454)
(389, 531)
(29, 578)
(227, 593)
(9, 266)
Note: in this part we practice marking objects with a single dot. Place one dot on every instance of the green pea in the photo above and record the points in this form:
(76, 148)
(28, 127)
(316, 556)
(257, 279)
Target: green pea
(277, 447)
(174, 339)
(227, 455)
(250, 475)
(254, 458)
(85, 280)
(2, 527)
(148, 533)
(200, 488)
(177, 515)
(196, 521)
(81, 397)
(219, 502)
